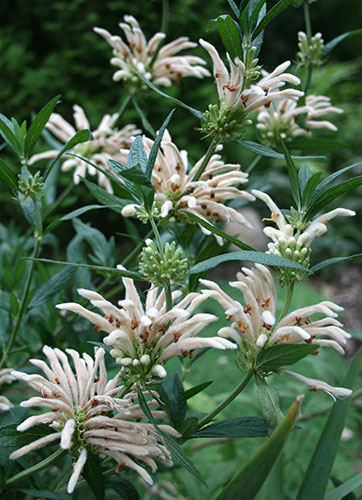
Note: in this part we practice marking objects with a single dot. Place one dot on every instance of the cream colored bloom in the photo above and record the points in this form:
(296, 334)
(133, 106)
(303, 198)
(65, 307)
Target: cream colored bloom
(281, 118)
(81, 403)
(5, 378)
(290, 242)
(105, 145)
(176, 191)
(144, 336)
(161, 67)
(254, 326)
(232, 88)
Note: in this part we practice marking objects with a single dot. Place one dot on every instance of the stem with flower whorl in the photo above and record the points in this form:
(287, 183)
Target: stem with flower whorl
(210, 151)
(308, 29)
(287, 302)
(35, 468)
(166, 285)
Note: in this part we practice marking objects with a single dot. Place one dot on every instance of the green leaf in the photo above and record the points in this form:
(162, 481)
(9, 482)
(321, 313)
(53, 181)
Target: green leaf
(146, 125)
(230, 37)
(107, 199)
(71, 215)
(8, 176)
(330, 179)
(124, 488)
(250, 479)
(80, 136)
(219, 232)
(195, 112)
(44, 494)
(92, 473)
(135, 175)
(29, 210)
(234, 428)
(316, 478)
(7, 132)
(293, 177)
(137, 157)
(258, 149)
(51, 287)
(333, 43)
(304, 175)
(38, 124)
(334, 193)
(178, 404)
(156, 145)
(125, 184)
(178, 454)
(279, 355)
(102, 249)
(335, 260)
(345, 488)
(243, 5)
(251, 256)
(272, 13)
(255, 16)
(270, 403)
(234, 8)
(102, 269)
(196, 389)
(309, 189)
(11, 439)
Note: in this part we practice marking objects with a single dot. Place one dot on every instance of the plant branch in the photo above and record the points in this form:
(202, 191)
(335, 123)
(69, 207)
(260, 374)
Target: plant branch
(210, 151)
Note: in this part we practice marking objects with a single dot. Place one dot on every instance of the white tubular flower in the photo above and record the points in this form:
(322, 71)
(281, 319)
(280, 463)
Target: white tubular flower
(231, 87)
(81, 403)
(139, 55)
(280, 119)
(5, 378)
(144, 336)
(105, 145)
(339, 392)
(253, 325)
(176, 191)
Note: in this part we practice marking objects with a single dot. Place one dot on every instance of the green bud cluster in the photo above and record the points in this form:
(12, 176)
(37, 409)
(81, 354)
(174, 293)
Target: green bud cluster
(143, 215)
(160, 269)
(222, 123)
(310, 51)
(252, 69)
(31, 186)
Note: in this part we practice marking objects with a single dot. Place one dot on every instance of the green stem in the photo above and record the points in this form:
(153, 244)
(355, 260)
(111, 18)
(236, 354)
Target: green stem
(210, 151)
(253, 164)
(168, 296)
(308, 79)
(125, 390)
(39, 221)
(23, 304)
(166, 285)
(225, 403)
(308, 24)
(35, 468)
(145, 123)
(124, 105)
(157, 236)
(288, 300)
(165, 13)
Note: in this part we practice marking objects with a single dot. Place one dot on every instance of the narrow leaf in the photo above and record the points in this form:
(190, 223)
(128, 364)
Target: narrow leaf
(229, 34)
(71, 215)
(38, 124)
(316, 478)
(304, 175)
(270, 403)
(250, 479)
(309, 189)
(334, 193)
(107, 199)
(272, 13)
(51, 287)
(333, 43)
(178, 404)
(195, 112)
(335, 260)
(6, 131)
(198, 388)
(255, 16)
(330, 179)
(251, 256)
(279, 355)
(8, 176)
(258, 149)
(293, 176)
(234, 428)
(137, 157)
(124, 488)
(92, 473)
(234, 8)
(156, 145)
(345, 488)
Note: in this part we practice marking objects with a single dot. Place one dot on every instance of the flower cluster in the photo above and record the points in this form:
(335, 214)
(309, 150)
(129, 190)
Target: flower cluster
(253, 325)
(159, 65)
(281, 119)
(310, 51)
(293, 241)
(87, 417)
(237, 100)
(5, 378)
(144, 337)
(176, 188)
(106, 144)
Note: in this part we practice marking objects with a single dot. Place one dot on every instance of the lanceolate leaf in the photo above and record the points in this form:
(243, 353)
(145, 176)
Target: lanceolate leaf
(198, 388)
(258, 149)
(293, 176)
(107, 199)
(304, 175)
(330, 179)
(316, 478)
(344, 489)
(6, 131)
(234, 428)
(124, 488)
(72, 215)
(137, 157)
(230, 37)
(279, 355)
(330, 45)
(8, 176)
(195, 112)
(335, 260)
(251, 256)
(309, 189)
(51, 287)
(272, 13)
(92, 473)
(234, 8)
(335, 192)
(156, 145)
(38, 124)
(250, 479)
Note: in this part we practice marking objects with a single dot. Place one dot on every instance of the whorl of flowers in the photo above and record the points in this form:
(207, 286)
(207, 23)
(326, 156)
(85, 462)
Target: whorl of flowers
(144, 337)
(237, 98)
(280, 119)
(87, 416)
(106, 144)
(160, 65)
(177, 191)
(253, 325)
(310, 51)
(5, 378)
